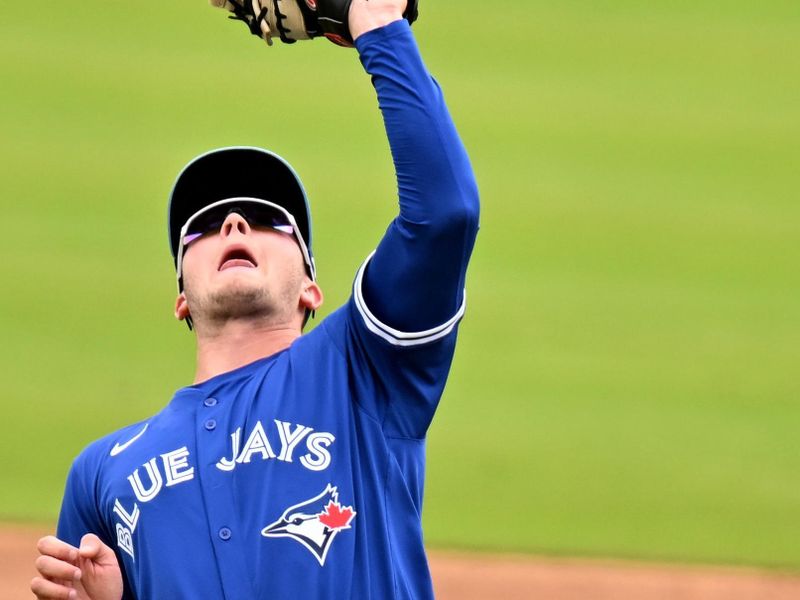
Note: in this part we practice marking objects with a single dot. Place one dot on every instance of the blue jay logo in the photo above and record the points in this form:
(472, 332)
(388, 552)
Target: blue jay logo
(314, 523)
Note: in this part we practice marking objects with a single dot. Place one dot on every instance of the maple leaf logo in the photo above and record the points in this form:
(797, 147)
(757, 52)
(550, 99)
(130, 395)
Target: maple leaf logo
(337, 516)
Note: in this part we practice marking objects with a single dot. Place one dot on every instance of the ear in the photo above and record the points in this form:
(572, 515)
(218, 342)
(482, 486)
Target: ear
(311, 297)
(181, 307)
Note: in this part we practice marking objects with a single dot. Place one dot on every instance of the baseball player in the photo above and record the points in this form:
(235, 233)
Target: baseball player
(293, 465)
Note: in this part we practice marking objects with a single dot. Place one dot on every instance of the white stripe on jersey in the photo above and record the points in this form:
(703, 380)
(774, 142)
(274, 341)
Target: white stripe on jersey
(394, 336)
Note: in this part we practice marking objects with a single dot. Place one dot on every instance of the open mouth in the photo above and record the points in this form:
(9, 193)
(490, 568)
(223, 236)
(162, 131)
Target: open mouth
(237, 256)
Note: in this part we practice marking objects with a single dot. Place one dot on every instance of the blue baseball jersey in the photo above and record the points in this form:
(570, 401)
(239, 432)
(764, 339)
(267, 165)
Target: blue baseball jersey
(301, 475)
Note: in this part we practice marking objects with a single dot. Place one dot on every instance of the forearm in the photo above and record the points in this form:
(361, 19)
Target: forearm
(416, 277)
(366, 15)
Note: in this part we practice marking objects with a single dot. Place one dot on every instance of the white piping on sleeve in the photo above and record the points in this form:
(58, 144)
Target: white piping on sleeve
(394, 336)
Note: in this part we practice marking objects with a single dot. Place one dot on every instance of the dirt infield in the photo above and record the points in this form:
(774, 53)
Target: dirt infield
(484, 577)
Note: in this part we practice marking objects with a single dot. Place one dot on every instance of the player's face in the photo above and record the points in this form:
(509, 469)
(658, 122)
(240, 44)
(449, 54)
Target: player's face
(245, 271)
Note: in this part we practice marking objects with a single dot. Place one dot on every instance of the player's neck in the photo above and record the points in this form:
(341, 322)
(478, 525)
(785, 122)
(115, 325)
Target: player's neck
(238, 344)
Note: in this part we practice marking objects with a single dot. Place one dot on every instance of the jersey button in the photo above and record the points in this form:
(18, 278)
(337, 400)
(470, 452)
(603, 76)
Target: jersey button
(209, 402)
(225, 534)
(211, 424)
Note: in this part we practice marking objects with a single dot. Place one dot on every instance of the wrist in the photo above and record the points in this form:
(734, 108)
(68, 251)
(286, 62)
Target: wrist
(366, 15)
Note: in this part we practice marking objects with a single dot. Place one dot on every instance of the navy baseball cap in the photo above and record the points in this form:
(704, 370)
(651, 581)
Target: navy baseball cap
(237, 172)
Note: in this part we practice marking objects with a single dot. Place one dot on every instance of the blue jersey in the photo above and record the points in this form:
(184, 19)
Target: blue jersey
(301, 475)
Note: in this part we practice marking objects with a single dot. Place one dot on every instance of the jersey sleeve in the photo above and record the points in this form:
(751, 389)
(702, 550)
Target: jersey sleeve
(408, 296)
(399, 385)
(411, 289)
(79, 508)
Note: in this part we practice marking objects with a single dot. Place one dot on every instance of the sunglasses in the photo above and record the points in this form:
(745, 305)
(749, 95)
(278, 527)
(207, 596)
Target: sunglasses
(257, 213)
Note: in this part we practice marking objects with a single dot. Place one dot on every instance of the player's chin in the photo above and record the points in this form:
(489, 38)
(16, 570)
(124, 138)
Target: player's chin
(240, 300)
(236, 284)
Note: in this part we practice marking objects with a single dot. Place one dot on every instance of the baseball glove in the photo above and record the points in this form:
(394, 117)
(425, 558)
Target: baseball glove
(294, 20)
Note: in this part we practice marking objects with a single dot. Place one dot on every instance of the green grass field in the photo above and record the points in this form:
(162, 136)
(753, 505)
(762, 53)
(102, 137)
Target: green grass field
(624, 383)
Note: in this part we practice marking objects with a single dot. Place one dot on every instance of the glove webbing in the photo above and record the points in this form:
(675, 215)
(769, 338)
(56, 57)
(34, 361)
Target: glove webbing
(249, 18)
(258, 24)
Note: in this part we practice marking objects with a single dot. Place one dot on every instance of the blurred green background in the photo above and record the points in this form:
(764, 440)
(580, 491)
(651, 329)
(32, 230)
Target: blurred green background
(626, 383)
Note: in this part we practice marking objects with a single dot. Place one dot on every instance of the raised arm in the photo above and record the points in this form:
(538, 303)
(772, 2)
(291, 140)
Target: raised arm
(415, 280)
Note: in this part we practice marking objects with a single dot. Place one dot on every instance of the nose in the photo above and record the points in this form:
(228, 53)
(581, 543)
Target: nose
(234, 224)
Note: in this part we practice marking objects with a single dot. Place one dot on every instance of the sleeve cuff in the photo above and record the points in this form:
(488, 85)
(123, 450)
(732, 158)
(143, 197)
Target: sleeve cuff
(394, 336)
(393, 29)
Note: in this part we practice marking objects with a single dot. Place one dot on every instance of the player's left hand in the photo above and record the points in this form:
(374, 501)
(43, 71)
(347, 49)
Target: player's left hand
(341, 21)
